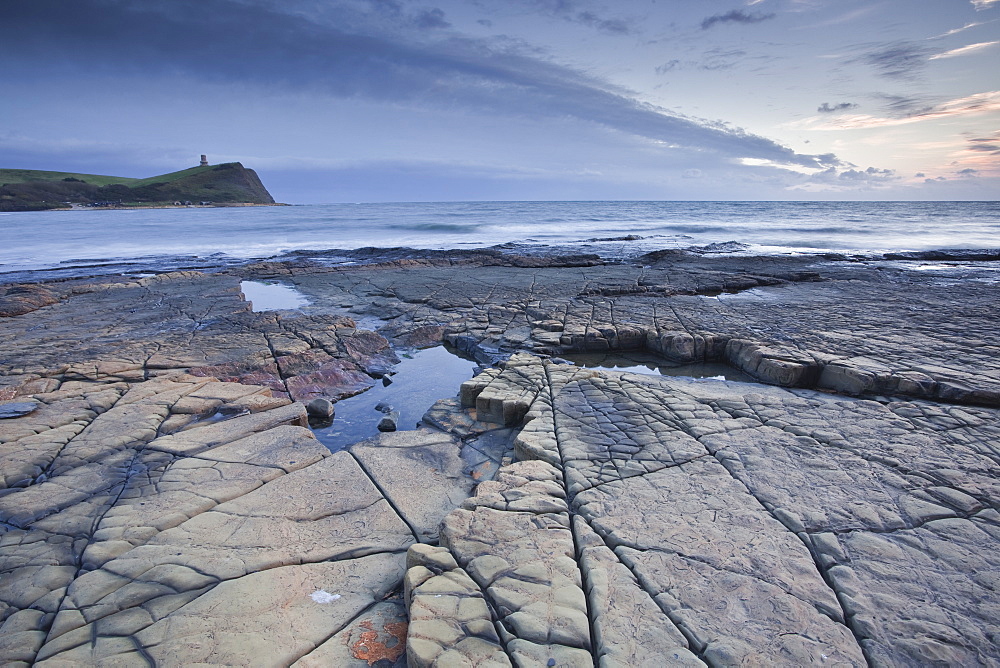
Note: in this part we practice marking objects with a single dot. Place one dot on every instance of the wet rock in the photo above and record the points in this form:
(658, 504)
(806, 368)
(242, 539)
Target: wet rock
(389, 421)
(20, 299)
(425, 336)
(320, 408)
(17, 409)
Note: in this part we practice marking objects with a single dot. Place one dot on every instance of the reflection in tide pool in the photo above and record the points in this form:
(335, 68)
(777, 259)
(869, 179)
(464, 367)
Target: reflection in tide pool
(272, 296)
(421, 378)
(648, 363)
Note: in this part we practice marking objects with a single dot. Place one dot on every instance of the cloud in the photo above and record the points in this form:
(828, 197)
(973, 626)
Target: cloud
(968, 172)
(964, 51)
(570, 10)
(835, 180)
(983, 4)
(980, 103)
(734, 16)
(899, 60)
(827, 108)
(432, 18)
(668, 66)
(338, 55)
(904, 105)
(955, 31)
(985, 144)
(615, 26)
(871, 174)
(692, 174)
(722, 59)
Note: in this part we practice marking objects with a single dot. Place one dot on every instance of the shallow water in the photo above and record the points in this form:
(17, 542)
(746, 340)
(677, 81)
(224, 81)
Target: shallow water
(272, 296)
(651, 364)
(421, 378)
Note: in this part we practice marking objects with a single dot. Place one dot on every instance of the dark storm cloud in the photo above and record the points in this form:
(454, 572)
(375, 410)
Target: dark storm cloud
(223, 41)
(898, 60)
(734, 16)
(827, 108)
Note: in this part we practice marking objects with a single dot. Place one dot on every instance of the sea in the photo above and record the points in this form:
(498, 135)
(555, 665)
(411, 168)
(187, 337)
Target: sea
(86, 242)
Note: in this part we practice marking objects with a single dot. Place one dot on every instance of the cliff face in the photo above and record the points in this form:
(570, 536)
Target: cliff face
(228, 183)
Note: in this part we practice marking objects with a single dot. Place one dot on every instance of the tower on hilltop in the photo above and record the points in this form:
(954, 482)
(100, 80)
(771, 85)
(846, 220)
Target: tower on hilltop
(204, 160)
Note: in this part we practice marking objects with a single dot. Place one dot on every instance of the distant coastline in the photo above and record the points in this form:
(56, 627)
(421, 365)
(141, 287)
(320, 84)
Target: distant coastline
(136, 207)
(226, 184)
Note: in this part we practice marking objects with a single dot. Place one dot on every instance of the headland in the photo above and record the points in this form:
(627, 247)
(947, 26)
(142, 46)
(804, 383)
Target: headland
(226, 184)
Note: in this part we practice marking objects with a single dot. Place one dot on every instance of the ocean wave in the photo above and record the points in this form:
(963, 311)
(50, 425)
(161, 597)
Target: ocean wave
(454, 228)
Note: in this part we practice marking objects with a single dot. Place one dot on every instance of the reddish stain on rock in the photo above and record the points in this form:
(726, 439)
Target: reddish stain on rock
(374, 646)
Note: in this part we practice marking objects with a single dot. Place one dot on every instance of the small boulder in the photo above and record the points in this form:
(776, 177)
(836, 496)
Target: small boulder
(388, 421)
(320, 408)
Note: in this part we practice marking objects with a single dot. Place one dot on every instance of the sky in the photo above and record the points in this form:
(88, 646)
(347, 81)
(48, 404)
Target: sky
(443, 100)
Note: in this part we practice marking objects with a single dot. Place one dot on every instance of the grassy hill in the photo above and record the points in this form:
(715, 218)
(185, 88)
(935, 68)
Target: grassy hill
(35, 190)
(14, 176)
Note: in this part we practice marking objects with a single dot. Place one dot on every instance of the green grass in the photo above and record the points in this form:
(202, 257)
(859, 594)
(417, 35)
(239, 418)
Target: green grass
(168, 178)
(25, 175)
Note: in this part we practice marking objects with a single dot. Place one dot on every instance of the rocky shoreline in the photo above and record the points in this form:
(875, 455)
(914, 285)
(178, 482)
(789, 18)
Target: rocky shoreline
(165, 502)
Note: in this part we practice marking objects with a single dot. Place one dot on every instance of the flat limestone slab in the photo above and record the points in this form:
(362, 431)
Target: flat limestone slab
(749, 524)
(420, 472)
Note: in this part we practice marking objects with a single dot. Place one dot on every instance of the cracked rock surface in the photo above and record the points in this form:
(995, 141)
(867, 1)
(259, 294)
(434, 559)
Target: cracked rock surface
(163, 501)
(749, 524)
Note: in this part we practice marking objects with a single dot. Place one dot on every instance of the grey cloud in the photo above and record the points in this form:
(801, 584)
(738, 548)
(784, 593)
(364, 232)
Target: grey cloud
(432, 18)
(985, 144)
(221, 41)
(667, 66)
(903, 105)
(571, 10)
(870, 174)
(734, 16)
(605, 25)
(898, 60)
(827, 108)
(967, 172)
(855, 177)
(718, 59)
(919, 175)
(390, 6)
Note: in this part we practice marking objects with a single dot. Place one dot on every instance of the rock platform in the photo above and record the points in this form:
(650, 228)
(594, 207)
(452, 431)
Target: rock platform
(164, 502)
